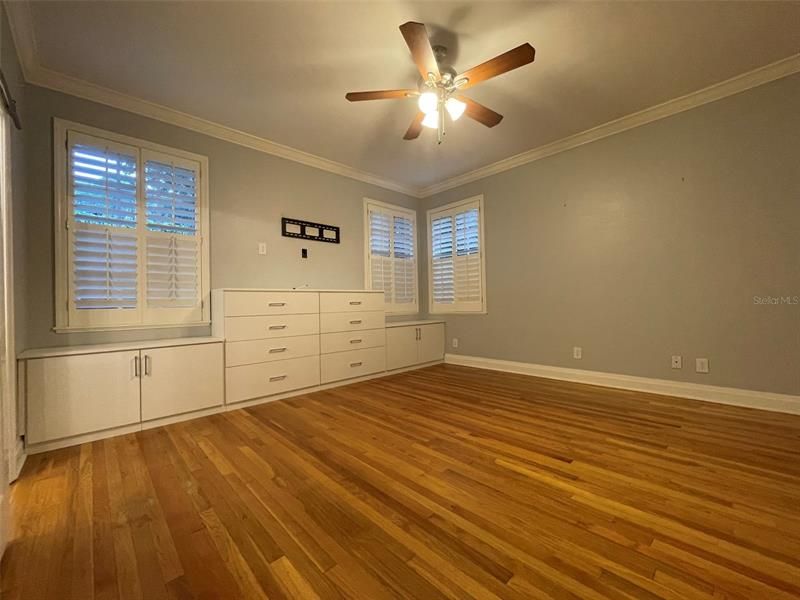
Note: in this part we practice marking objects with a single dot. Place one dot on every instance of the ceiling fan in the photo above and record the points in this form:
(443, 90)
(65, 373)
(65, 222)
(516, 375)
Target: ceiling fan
(441, 86)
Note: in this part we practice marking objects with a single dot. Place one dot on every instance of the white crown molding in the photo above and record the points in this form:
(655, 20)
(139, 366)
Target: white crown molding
(21, 22)
(723, 89)
(783, 403)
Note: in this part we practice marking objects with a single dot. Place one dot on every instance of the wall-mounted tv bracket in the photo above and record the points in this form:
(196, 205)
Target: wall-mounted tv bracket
(307, 230)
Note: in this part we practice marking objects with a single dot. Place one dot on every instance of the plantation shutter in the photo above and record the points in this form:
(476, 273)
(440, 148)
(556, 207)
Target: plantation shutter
(380, 253)
(130, 220)
(456, 269)
(392, 257)
(172, 238)
(103, 221)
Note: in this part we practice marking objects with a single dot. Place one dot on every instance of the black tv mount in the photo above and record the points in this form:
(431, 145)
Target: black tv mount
(308, 230)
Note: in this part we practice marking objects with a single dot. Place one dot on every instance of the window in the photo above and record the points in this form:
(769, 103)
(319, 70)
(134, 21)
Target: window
(130, 223)
(456, 271)
(390, 254)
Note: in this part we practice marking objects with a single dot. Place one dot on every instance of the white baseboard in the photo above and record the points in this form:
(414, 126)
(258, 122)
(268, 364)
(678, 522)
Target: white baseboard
(784, 403)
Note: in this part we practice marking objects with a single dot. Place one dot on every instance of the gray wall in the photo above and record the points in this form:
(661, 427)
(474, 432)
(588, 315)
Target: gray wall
(13, 74)
(249, 193)
(651, 243)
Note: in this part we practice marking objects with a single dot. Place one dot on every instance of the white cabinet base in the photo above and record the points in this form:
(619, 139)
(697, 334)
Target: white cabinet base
(74, 395)
(181, 380)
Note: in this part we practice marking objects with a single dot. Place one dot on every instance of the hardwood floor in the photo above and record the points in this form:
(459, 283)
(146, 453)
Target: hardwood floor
(445, 482)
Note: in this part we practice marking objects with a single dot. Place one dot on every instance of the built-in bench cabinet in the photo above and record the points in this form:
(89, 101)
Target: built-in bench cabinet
(414, 343)
(266, 344)
(81, 390)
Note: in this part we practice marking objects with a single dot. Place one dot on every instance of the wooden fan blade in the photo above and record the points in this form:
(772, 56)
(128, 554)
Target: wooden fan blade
(416, 37)
(380, 95)
(508, 61)
(415, 128)
(480, 113)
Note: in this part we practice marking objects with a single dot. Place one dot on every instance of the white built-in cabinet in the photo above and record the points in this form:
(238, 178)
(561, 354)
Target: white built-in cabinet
(280, 341)
(415, 343)
(266, 344)
(77, 391)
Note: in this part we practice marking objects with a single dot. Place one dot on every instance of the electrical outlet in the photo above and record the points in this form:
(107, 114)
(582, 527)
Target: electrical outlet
(677, 362)
(262, 248)
(454, 343)
(577, 352)
(701, 365)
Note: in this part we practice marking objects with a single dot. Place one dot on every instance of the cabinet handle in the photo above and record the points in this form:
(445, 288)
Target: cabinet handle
(277, 377)
(276, 350)
(136, 370)
(356, 364)
(277, 303)
(277, 326)
(419, 329)
(147, 370)
(355, 303)
(355, 341)
(355, 322)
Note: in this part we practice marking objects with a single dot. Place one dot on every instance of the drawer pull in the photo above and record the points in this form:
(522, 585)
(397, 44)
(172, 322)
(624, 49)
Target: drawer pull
(277, 378)
(276, 350)
(355, 303)
(277, 326)
(277, 303)
(356, 364)
(356, 341)
(355, 322)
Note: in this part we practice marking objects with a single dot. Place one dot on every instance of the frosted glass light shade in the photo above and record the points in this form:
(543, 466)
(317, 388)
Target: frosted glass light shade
(431, 120)
(428, 101)
(455, 108)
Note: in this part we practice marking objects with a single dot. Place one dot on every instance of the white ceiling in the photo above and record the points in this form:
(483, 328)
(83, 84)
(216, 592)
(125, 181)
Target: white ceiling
(279, 70)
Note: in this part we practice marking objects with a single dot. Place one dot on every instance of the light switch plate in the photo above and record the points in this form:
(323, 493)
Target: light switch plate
(701, 365)
(262, 248)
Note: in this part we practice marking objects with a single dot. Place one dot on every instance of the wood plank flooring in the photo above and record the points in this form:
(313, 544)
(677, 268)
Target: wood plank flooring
(447, 482)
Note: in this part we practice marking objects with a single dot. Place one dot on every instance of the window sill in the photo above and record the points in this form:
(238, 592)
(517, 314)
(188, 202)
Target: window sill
(130, 327)
(398, 313)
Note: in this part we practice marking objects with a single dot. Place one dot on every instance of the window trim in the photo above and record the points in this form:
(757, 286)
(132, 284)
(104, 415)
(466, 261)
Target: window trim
(435, 212)
(61, 212)
(401, 210)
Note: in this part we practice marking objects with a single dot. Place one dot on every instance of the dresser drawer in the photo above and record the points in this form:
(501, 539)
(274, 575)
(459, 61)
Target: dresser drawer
(332, 302)
(255, 351)
(344, 365)
(270, 326)
(265, 379)
(352, 340)
(241, 304)
(351, 321)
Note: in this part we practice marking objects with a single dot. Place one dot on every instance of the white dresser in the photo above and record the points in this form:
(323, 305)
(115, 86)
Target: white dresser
(277, 341)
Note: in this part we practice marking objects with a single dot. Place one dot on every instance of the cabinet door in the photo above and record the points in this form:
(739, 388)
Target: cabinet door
(72, 395)
(181, 379)
(401, 347)
(431, 342)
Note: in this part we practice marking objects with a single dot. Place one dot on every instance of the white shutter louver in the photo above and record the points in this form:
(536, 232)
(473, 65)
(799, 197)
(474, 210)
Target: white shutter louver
(103, 217)
(456, 265)
(380, 253)
(104, 269)
(405, 267)
(172, 260)
(392, 258)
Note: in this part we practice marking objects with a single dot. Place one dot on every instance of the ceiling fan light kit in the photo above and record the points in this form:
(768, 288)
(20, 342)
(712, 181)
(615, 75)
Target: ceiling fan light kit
(440, 90)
